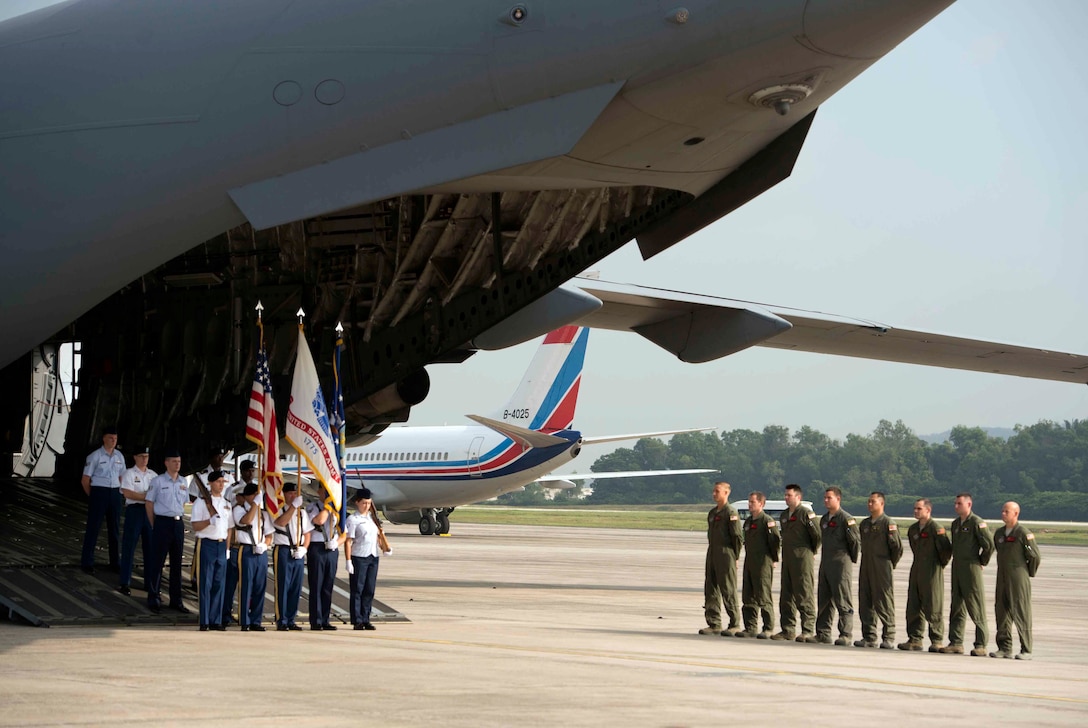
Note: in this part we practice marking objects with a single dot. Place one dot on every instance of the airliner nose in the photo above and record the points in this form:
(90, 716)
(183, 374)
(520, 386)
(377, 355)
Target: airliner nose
(864, 29)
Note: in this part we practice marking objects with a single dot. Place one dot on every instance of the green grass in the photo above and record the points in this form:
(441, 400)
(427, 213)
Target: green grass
(678, 518)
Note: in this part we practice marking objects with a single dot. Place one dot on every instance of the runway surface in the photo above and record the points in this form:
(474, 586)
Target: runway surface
(549, 626)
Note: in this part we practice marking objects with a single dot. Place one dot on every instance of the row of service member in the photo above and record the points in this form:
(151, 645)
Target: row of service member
(809, 614)
(233, 539)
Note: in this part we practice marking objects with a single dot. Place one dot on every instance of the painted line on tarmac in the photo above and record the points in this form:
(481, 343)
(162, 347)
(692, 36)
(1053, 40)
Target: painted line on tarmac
(740, 668)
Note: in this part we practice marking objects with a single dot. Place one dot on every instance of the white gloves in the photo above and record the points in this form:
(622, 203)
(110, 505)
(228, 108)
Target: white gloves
(298, 553)
(351, 567)
(387, 553)
(332, 545)
(260, 548)
(297, 502)
(228, 554)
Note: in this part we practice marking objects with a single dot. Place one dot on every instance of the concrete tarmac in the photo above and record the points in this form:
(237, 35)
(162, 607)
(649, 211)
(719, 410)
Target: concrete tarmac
(545, 626)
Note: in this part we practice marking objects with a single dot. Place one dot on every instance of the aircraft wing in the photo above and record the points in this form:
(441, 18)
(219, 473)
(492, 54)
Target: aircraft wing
(521, 435)
(639, 435)
(618, 474)
(698, 328)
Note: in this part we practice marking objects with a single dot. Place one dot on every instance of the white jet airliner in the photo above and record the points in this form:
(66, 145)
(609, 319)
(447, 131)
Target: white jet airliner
(422, 473)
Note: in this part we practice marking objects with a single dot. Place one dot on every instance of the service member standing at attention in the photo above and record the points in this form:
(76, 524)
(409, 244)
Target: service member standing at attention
(248, 470)
(761, 543)
(925, 589)
(881, 549)
(1017, 562)
(291, 539)
(102, 484)
(800, 542)
(972, 548)
(253, 528)
(215, 464)
(841, 544)
(134, 484)
(322, 560)
(165, 502)
(724, 542)
(361, 548)
(212, 531)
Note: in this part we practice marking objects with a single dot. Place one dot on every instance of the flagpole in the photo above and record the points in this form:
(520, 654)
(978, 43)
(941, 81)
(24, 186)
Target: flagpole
(341, 441)
(260, 448)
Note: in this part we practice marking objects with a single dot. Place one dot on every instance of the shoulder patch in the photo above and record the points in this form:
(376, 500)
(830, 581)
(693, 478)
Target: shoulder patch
(893, 526)
(851, 522)
(940, 531)
(1030, 537)
(772, 524)
(982, 524)
(734, 517)
(811, 516)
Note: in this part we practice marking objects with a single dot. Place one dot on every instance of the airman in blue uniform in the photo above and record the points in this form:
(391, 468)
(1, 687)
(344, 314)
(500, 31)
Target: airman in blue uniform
(134, 484)
(165, 503)
(102, 484)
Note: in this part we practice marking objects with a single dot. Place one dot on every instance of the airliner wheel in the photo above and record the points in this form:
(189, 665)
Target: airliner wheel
(427, 525)
(443, 524)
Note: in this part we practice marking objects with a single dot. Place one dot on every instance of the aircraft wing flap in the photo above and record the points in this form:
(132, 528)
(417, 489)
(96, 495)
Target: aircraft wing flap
(638, 308)
(528, 133)
(521, 435)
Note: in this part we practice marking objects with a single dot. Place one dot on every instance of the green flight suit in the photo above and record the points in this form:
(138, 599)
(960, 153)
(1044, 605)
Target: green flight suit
(1017, 561)
(925, 590)
(800, 542)
(841, 543)
(972, 547)
(723, 548)
(761, 544)
(881, 549)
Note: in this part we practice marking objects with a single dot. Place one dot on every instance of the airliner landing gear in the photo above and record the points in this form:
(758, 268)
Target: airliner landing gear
(435, 521)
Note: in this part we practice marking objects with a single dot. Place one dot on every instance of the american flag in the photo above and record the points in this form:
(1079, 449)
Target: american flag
(261, 429)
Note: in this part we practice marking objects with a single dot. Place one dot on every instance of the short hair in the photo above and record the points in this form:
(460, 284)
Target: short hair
(925, 502)
(879, 495)
(726, 484)
(965, 495)
(758, 495)
(834, 489)
(794, 486)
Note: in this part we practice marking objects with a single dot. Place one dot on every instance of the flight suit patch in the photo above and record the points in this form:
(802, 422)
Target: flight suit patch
(893, 526)
(734, 518)
(940, 531)
(1010, 539)
(982, 524)
(851, 522)
(1030, 537)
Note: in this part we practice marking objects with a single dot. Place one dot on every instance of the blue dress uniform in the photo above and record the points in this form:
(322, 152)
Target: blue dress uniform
(362, 531)
(212, 544)
(322, 560)
(194, 494)
(137, 527)
(166, 499)
(104, 470)
(290, 541)
(253, 568)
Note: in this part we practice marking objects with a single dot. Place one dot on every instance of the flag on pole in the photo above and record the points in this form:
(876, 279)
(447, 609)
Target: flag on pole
(261, 429)
(308, 424)
(338, 422)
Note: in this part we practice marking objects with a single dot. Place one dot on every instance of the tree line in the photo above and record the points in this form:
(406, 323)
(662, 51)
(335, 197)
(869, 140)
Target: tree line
(1043, 466)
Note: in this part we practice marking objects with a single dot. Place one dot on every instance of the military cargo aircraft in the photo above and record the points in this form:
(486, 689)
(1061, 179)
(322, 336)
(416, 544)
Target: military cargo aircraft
(422, 171)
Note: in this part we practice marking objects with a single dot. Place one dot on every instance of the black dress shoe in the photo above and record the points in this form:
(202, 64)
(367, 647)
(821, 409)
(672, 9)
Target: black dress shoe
(203, 628)
(182, 608)
(87, 569)
(294, 627)
(257, 628)
(281, 627)
(155, 608)
(329, 627)
(369, 626)
(219, 627)
(316, 628)
(125, 590)
(358, 626)
(245, 627)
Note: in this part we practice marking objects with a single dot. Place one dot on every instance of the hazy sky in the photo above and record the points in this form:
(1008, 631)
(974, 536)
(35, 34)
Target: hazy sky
(945, 190)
